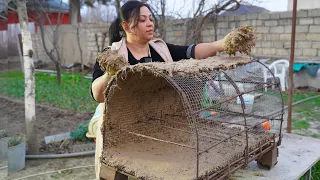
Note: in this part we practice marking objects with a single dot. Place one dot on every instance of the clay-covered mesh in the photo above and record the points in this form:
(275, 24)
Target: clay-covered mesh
(154, 111)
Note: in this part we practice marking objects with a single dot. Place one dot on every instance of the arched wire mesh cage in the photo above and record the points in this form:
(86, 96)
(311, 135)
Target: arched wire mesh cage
(192, 119)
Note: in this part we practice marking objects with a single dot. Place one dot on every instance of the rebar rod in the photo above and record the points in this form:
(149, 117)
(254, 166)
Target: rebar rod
(156, 139)
(229, 99)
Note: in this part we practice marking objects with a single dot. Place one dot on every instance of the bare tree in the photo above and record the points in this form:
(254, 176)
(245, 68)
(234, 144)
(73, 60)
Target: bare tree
(29, 80)
(53, 53)
(194, 25)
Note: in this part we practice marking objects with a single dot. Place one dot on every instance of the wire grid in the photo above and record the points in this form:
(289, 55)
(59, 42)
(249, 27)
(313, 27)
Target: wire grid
(237, 98)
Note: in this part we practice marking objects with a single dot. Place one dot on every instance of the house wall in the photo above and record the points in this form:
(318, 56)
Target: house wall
(305, 4)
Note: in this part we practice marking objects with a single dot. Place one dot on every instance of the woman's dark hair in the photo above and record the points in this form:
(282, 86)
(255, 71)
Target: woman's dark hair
(130, 13)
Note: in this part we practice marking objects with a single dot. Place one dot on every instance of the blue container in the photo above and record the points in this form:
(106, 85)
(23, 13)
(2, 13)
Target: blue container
(4, 148)
(16, 157)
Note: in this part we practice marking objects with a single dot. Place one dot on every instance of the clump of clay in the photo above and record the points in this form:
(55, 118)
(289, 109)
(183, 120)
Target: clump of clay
(241, 39)
(110, 61)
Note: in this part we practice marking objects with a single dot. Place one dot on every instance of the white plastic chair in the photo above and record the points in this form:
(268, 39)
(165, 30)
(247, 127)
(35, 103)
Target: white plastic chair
(279, 68)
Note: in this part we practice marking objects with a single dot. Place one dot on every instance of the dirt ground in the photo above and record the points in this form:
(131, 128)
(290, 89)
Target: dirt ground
(50, 121)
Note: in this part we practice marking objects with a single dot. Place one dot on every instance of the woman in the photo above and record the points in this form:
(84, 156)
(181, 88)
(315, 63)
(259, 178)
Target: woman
(138, 46)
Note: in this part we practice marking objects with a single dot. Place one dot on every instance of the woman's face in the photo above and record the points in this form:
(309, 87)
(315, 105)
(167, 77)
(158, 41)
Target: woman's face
(145, 28)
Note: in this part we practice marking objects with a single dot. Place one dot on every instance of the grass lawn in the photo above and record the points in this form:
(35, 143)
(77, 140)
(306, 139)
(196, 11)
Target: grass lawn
(70, 95)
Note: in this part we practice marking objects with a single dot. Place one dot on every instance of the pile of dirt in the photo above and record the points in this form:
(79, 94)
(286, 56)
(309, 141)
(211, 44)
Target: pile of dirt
(50, 120)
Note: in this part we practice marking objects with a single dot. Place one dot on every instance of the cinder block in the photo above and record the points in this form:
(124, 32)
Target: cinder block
(278, 44)
(277, 29)
(304, 44)
(271, 23)
(310, 52)
(240, 18)
(266, 44)
(285, 22)
(223, 25)
(287, 14)
(264, 16)
(314, 13)
(256, 22)
(263, 29)
(269, 51)
(313, 37)
(315, 29)
(302, 13)
(315, 45)
(275, 16)
(245, 23)
(316, 20)
(304, 21)
(272, 37)
(299, 29)
(298, 52)
(282, 52)
(251, 16)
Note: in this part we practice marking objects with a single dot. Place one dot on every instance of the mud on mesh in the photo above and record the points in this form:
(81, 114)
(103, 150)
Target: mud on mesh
(159, 116)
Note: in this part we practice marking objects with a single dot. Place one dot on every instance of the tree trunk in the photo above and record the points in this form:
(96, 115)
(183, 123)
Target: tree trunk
(81, 58)
(29, 80)
(74, 12)
(58, 69)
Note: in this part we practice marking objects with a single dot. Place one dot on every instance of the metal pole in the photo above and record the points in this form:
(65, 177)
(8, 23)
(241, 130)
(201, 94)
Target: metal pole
(293, 38)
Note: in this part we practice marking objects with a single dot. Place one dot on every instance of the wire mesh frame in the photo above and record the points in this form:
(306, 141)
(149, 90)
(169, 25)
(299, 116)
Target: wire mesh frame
(192, 114)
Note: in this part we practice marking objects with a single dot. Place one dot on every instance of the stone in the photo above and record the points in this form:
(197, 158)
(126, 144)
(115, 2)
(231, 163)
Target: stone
(271, 23)
(272, 37)
(304, 44)
(240, 18)
(287, 14)
(278, 44)
(269, 51)
(266, 44)
(251, 16)
(313, 37)
(316, 20)
(302, 13)
(264, 16)
(298, 52)
(275, 16)
(231, 18)
(304, 21)
(258, 44)
(315, 45)
(285, 22)
(256, 22)
(315, 29)
(277, 29)
(310, 52)
(263, 29)
(301, 36)
(245, 23)
(223, 25)
(314, 13)
(282, 52)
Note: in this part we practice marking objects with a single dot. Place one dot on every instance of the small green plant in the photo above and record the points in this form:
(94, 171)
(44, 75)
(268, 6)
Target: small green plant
(14, 141)
(3, 133)
(80, 132)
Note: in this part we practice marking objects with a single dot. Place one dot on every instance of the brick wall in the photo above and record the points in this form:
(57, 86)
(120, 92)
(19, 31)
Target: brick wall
(273, 32)
(273, 35)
